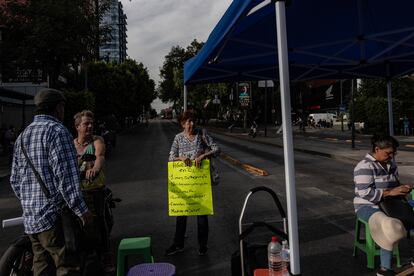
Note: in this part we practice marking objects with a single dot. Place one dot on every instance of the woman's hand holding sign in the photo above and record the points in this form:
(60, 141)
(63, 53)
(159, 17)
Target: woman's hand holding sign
(186, 160)
(198, 160)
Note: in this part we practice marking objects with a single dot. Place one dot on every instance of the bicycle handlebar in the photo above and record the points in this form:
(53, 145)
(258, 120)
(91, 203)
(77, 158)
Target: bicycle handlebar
(12, 222)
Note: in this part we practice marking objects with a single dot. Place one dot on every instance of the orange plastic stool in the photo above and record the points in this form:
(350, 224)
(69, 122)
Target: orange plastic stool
(261, 272)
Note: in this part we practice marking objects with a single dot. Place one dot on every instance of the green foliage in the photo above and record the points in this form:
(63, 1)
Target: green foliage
(51, 34)
(371, 104)
(77, 101)
(171, 73)
(171, 86)
(402, 90)
(120, 89)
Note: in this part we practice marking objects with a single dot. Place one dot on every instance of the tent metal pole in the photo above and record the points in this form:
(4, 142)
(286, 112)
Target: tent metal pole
(287, 137)
(265, 115)
(389, 98)
(185, 98)
(390, 116)
(353, 115)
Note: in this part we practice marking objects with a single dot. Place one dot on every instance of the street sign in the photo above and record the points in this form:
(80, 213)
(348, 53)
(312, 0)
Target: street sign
(244, 96)
(263, 83)
(342, 108)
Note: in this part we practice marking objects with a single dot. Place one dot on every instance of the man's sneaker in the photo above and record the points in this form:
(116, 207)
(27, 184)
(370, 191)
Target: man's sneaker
(202, 250)
(174, 249)
(385, 272)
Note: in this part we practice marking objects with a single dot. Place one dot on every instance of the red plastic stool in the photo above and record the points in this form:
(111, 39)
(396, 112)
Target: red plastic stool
(152, 269)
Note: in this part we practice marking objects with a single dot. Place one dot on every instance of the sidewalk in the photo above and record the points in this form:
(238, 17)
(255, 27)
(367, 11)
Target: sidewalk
(328, 142)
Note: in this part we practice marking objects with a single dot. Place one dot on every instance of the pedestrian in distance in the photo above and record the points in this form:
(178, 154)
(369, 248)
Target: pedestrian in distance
(253, 127)
(191, 145)
(375, 178)
(49, 147)
(406, 124)
(400, 126)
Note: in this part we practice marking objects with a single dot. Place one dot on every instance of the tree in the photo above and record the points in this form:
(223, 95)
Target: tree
(172, 84)
(371, 103)
(121, 89)
(77, 101)
(171, 73)
(50, 35)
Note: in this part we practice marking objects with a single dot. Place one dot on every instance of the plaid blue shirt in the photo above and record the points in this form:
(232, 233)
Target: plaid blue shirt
(50, 147)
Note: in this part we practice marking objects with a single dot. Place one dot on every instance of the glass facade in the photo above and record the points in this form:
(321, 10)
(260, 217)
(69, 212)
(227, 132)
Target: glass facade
(114, 49)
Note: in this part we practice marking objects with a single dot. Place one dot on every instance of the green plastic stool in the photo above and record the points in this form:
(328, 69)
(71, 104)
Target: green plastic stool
(368, 245)
(131, 246)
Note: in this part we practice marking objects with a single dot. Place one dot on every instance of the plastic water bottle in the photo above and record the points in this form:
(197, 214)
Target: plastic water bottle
(276, 263)
(285, 257)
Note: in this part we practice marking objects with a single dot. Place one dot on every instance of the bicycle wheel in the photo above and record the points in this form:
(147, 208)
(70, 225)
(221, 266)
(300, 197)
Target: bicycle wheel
(18, 258)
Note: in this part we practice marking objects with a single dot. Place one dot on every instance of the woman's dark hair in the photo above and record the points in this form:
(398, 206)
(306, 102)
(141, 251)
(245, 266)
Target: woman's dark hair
(383, 142)
(187, 115)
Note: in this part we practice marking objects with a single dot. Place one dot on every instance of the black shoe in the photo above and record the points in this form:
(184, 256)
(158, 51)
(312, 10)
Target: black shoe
(174, 249)
(385, 272)
(202, 250)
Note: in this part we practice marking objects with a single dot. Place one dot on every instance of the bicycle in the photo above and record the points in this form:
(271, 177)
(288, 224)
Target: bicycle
(18, 258)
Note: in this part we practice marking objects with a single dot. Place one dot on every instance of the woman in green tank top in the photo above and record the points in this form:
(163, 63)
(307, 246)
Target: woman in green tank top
(87, 143)
(93, 184)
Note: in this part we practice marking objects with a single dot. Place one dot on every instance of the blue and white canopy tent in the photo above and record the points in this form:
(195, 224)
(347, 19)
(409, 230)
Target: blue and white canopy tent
(318, 39)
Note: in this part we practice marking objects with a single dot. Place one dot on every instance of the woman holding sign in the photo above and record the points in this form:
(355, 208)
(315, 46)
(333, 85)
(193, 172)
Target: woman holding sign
(192, 145)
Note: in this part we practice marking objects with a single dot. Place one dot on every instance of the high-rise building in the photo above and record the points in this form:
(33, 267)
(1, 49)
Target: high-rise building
(114, 49)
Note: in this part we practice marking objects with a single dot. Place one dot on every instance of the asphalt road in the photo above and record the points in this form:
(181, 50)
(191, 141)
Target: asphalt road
(137, 173)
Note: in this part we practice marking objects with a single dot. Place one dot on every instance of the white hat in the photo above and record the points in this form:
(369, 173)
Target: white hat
(386, 231)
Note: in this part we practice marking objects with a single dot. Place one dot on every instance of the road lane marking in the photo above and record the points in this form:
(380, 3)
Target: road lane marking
(249, 168)
(356, 141)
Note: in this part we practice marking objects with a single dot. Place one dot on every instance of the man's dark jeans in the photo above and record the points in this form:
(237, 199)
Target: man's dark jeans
(202, 229)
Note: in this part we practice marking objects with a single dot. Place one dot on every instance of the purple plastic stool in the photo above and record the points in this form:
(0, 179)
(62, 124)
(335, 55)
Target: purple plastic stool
(152, 269)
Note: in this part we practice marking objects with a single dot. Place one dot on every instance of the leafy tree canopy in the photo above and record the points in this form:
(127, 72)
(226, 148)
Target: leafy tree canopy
(77, 101)
(50, 34)
(171, 86)
(121, 89)
(371, 103)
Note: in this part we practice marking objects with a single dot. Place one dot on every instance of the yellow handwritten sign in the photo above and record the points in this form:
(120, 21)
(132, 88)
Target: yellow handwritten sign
(189, 189)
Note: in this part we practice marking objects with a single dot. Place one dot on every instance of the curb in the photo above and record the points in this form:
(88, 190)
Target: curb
(249, 168)
(313, 152)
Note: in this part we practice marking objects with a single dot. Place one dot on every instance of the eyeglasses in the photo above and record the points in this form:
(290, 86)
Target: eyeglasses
(389, 152)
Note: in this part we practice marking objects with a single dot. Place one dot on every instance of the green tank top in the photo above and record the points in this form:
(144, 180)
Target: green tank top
(98, 182)
(90, 149)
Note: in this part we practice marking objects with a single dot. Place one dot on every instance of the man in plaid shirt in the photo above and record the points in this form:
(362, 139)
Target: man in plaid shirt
(50, 148)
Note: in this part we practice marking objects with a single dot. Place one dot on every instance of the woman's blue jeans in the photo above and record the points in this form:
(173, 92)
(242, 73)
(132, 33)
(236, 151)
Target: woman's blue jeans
(385, 255)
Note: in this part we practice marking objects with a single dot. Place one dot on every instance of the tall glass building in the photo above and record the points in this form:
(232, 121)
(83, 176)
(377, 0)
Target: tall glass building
(114, 49)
